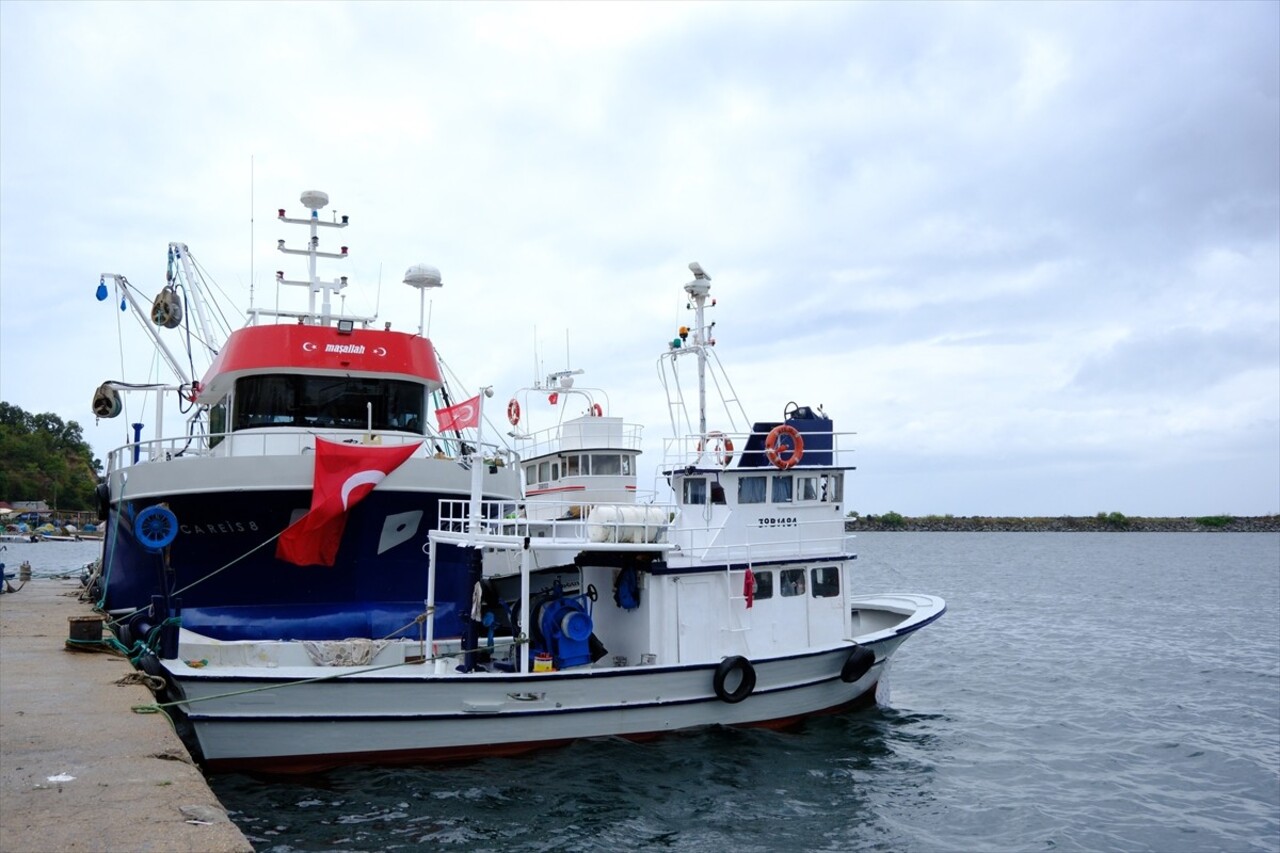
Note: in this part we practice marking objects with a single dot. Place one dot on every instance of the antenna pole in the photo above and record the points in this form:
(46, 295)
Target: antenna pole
(252, 203)
(698, 290)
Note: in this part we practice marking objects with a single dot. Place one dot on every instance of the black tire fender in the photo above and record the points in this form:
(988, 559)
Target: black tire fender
(858, 664)
(746, 681)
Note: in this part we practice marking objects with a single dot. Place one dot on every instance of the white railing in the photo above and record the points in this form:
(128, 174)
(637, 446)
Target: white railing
(726, 450)
(578, 525)
(739, 540)
(611, 436)
(284, 441)
(724, 538)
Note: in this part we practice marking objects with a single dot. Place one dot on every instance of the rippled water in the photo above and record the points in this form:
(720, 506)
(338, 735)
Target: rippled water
(1084, 692)
(49, 558)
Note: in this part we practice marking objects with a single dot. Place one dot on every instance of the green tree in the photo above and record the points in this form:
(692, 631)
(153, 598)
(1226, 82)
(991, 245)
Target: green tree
(43, 458)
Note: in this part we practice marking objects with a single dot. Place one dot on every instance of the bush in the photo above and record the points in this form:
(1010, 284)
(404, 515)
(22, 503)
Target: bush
(1215, 520)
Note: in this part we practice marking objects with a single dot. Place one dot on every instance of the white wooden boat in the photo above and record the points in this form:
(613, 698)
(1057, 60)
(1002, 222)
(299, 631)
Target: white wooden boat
(589, 616)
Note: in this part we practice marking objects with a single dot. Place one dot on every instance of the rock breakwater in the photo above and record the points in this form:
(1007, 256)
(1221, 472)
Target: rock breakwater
(1101, 523)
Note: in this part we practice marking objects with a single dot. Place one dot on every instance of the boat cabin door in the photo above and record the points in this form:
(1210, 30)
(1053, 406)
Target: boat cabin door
(698, 621)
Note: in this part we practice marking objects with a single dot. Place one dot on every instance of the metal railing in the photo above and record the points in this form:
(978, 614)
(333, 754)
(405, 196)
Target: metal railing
(286, 441)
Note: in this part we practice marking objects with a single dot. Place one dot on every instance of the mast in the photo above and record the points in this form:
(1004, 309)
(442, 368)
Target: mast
(698, 290)
(315, 200)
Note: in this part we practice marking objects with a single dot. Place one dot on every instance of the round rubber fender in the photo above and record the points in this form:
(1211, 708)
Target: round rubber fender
(858, 664)
(102, 494)
(150, 664)
(746, 680)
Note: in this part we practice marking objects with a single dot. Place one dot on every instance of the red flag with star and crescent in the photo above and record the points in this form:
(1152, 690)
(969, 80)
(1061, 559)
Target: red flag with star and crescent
(464, 415)
(344, 474)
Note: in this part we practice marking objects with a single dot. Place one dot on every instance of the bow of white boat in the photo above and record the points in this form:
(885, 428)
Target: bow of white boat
(893, 614)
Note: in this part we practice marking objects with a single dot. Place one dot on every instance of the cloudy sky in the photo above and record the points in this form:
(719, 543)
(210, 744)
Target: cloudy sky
(1029, 252)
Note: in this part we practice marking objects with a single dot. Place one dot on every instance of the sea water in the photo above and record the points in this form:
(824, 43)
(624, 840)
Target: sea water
(1084, 692)
(49, 557)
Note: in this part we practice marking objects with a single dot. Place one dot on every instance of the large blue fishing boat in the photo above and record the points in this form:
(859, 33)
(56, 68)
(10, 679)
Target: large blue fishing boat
(216, 524)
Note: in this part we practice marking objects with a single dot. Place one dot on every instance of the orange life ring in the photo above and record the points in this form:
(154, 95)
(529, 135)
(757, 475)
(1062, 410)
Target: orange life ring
(596, 411)
(784, 457)
(721, 448)
(513, 412)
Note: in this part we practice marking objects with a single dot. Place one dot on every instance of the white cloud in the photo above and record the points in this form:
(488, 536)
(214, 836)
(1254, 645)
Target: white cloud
(1021, 249)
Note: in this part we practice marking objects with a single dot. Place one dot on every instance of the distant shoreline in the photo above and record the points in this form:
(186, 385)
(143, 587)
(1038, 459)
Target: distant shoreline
(1102, 523)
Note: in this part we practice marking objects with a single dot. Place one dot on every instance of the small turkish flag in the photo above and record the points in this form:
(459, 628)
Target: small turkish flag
(463, 415)
(749, 587)
(344, 474)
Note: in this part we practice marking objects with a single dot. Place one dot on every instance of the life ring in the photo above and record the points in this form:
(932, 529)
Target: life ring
(858, 664)
(596, 410)
(513, 412)
(156, 527)
(746, 680)
(786, 456)
(721, 448)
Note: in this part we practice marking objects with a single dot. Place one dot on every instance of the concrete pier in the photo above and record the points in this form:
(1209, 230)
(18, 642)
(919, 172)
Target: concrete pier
(79, 770)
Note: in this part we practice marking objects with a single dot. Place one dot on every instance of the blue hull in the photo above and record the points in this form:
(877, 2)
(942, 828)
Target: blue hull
(223, 569)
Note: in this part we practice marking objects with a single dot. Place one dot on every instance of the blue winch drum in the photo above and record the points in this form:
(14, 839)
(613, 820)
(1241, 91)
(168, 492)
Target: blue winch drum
(156, 527)
(576, 625)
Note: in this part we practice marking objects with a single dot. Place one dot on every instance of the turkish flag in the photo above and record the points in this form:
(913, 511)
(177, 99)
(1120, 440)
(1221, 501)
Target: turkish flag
(344, 474)
(463, 415)
(749, 587)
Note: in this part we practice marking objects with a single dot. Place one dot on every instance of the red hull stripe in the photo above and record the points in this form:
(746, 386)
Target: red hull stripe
(557, 489)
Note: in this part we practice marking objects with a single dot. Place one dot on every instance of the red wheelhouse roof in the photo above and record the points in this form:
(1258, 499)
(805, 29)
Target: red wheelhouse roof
(321, 349)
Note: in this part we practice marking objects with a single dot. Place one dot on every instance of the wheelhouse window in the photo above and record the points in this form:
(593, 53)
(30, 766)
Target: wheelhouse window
(764, 585)
(807, 488)
(695, 490)
(830, 487)
(826, 581)
(217, 423)
(782, 489)
(328, 402)
(751, 490)
(792, 582)
(606, 465)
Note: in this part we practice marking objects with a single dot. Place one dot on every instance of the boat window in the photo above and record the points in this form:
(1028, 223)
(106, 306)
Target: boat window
(782, 490)
(717, 493)
(826, 581)
(217, 423)
(605, 465)
(807, 488)
(531, 474)
(792, 582)
(544, 472)
(764, 585)
(830, 487)
(751, 490)
(341, 402)
(626, 465)
(695, 490)
(571, 466)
